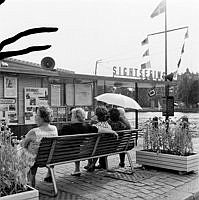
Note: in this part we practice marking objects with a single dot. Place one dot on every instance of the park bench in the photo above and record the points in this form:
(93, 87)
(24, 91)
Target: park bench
(70, 148)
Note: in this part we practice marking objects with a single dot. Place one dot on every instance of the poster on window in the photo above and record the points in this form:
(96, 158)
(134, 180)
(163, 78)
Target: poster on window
(83, 95)
(8, 111)
(34, 97)
(55, 95)
(10, 87)
(69, 94)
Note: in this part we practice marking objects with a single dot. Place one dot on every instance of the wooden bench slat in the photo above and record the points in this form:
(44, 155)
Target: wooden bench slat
(60, 158)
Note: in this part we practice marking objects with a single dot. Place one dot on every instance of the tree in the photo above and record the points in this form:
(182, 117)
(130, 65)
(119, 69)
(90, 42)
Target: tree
(193, 97)
(183, 89)
(188, 87)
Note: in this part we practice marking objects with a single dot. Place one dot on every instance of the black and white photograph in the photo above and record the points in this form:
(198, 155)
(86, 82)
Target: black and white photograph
(10, 87)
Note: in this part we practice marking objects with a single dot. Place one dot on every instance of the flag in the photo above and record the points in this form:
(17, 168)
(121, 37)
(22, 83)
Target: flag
(182, 51)
(159, 9)
(179, 63)
(146, 53)
(146, 65)
(175, 74)
(152, 92)
(186, 34)
(145, 41)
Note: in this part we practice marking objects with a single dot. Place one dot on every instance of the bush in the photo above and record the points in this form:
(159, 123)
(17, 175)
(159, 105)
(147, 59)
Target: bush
(14, 164)
(168, 137)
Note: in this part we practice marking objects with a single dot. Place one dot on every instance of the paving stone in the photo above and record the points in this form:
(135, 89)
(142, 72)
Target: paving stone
(143, 195)
(169, 187)
(139, 184)
(160, 183)
(148, 188)
(164, 189)
(157, 186)
(138, 198)
(132, 191)
(148, 182)
(145, 191)
(152, 194)
(158, 191)
(174, 194)
(131, 195)
(116, 195)
(175, 183)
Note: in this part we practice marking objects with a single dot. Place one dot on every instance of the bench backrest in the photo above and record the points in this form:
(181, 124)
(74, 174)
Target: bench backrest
(71, 147)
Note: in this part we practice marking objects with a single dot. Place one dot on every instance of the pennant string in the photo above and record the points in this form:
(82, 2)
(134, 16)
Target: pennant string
(182, 50)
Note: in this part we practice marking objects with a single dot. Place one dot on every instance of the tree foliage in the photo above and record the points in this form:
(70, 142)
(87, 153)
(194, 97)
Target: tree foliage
(193, 97)
(188, 89)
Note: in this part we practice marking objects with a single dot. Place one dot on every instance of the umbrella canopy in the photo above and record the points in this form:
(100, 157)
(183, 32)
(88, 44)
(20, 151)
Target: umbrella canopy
(119, 100)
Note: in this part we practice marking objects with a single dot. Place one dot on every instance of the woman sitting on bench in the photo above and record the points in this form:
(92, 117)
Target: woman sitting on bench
(79, 126)
(34, 136)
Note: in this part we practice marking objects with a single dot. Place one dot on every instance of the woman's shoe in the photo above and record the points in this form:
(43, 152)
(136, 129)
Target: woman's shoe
(86, 167)
(48, 179)
(121, 164)
(76, 174)
(91, 169)
(98, 167)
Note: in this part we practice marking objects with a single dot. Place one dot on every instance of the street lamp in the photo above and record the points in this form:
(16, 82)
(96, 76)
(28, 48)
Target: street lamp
(96, 63)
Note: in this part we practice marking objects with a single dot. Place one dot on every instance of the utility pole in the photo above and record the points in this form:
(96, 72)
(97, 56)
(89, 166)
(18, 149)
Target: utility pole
(166, 86)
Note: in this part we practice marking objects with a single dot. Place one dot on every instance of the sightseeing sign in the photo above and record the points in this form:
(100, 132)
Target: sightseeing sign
(136, 73)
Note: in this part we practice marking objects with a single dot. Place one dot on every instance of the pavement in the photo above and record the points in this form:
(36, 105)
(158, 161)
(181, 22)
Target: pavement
(120, 183)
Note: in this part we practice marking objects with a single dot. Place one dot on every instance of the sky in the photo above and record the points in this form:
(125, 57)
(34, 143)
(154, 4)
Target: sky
(107, 30)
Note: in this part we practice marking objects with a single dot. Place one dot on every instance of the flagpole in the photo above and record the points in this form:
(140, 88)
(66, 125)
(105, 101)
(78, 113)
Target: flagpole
(166, 85)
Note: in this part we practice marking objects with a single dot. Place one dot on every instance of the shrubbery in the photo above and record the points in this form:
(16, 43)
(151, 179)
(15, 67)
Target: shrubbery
(14, 164)
(170, 137)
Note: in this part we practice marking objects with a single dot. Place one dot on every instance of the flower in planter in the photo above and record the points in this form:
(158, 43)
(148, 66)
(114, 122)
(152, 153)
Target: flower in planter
(14, 164)
(168, 137)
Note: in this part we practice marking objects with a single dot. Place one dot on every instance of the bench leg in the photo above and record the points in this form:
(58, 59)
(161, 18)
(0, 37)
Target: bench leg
(32, 174)
(106, 162)
(54, 180)
(130, 161)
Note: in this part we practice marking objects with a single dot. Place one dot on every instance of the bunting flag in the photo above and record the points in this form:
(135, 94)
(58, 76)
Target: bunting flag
(146, 65)
(186, 35)
(179, 62)
(182, 51)
(146, 53)
(159, 9)
(145, 41)
(175, 73)
(183, 46)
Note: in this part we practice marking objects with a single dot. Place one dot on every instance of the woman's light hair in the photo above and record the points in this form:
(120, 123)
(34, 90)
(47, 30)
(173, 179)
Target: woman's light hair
(79, 114)
(122, 111)
(46, 113)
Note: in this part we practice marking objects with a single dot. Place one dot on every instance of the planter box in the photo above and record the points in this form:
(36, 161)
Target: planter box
(168, 161)
(31, 194)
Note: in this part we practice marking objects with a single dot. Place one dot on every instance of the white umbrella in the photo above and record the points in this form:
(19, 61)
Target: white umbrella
(118, 100)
